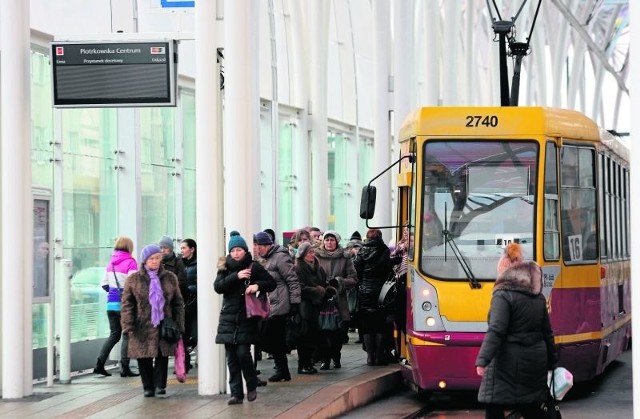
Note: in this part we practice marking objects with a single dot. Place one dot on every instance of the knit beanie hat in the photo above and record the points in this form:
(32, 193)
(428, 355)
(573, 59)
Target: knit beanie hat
(148, 250)
(271, 233)
(332, 233)
(166, 241)
(235, 240)
(512, 255)
(263, 238)
(303, 249)
(356, 236)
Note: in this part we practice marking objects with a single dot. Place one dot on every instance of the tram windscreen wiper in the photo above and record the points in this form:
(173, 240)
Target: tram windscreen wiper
(448, 239)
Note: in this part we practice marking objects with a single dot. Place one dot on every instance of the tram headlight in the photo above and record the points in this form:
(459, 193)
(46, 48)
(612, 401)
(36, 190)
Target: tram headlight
(426, 306)
(425, 293)
(431, 321)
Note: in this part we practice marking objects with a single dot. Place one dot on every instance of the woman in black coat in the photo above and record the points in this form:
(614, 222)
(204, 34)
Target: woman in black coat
(518, 349)
(313, 281)
(237, 275)
(373, 266)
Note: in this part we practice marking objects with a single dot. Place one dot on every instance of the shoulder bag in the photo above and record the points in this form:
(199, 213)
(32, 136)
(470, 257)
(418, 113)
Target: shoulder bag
(329, 318)
(256, 304)
(169, 331)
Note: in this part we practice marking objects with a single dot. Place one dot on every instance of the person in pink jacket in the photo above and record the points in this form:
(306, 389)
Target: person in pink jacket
(120, 266)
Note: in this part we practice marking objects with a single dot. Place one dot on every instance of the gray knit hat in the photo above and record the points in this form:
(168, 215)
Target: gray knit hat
(303, 249)
(166, 241)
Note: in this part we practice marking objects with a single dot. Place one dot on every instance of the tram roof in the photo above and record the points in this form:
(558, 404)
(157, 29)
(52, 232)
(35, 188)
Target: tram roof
(511, 121)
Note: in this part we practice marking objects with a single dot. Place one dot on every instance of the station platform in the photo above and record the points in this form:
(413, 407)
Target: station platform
(323, 395)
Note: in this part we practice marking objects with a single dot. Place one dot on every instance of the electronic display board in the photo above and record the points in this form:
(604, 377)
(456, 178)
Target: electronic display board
(114, 74)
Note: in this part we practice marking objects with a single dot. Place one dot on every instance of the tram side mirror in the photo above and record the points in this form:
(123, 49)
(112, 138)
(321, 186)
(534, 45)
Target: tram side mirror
(368, 202)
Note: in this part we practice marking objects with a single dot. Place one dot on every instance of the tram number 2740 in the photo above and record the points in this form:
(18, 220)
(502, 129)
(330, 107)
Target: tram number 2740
(486, 120)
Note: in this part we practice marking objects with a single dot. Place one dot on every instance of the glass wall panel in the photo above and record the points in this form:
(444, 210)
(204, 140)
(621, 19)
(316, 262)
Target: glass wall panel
(157, 173)
(90, 222)
(338, 170)
(41, 161)
(287, 176)
(41, 122)
(189, 164)
(365, 171)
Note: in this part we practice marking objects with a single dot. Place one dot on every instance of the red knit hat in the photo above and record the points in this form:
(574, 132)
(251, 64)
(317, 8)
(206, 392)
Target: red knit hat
(512, 255)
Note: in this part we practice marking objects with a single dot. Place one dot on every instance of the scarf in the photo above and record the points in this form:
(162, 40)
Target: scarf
(156, 298)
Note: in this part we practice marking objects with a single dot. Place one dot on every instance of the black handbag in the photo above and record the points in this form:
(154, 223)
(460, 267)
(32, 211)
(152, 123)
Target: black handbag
(550, 408)
(169, 331)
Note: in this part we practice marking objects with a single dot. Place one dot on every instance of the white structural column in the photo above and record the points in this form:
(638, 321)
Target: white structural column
(452, 71)
(318, 38)
(403, 53)
(431, 67)
(17, 201)
(382, 141)
(209, 209)
(241, 117)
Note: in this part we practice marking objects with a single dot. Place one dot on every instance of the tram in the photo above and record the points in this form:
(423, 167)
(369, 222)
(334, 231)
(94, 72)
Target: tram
(473, 179)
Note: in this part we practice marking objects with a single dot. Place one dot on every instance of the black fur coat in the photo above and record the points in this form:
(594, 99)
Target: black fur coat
(518, 347)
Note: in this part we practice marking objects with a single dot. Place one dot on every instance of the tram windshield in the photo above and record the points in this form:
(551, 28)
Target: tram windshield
(478, 197)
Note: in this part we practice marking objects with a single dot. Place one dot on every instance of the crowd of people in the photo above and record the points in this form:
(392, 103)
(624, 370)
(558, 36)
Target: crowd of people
(317, 290)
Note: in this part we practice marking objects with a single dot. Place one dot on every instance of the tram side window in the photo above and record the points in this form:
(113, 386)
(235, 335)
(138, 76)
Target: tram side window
(551, 233)
(578, 204)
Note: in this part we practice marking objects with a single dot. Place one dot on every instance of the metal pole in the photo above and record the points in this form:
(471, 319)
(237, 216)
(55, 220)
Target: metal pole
(63, 300)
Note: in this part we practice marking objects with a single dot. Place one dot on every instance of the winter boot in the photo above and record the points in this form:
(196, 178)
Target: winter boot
(99, 369)
(381, 359)
(282, 369)
(370, 346)
(125, 371)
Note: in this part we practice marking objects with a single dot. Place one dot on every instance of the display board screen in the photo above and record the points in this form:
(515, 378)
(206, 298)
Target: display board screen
(114, 74)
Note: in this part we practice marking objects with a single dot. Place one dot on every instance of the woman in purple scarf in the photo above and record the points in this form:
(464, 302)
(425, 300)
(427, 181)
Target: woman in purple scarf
(151, 295)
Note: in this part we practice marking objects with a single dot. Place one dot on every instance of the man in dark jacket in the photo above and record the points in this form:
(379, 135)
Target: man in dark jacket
(170, 261)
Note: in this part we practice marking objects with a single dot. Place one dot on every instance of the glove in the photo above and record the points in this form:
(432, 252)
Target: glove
(294, 309)
(192, 289)
(105, 288)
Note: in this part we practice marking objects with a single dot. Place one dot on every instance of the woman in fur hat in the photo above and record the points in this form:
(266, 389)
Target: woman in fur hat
(238, 275)
(313, 284)
(518, 348)
(341, 275)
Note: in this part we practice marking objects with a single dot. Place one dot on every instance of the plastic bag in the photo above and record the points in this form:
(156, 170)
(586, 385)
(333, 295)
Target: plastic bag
(181, 368)
(560, 383)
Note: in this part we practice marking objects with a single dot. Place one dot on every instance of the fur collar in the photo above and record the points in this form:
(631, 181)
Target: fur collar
(524, 277)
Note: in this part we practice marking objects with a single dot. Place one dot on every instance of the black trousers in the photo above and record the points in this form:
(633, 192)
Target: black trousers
(274, 340)
(114, 337)
(153, 375)
(240, 362)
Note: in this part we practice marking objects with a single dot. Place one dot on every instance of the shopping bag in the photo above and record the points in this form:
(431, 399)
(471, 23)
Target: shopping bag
(329, 318)
(181, 369)
(257, 305)
(560, 382)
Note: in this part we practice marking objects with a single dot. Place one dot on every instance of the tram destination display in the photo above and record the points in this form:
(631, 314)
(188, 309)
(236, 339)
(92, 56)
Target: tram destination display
(114, 74)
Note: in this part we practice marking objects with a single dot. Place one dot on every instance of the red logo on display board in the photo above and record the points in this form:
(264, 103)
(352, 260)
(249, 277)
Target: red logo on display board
(157, 50)
(59, 50)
